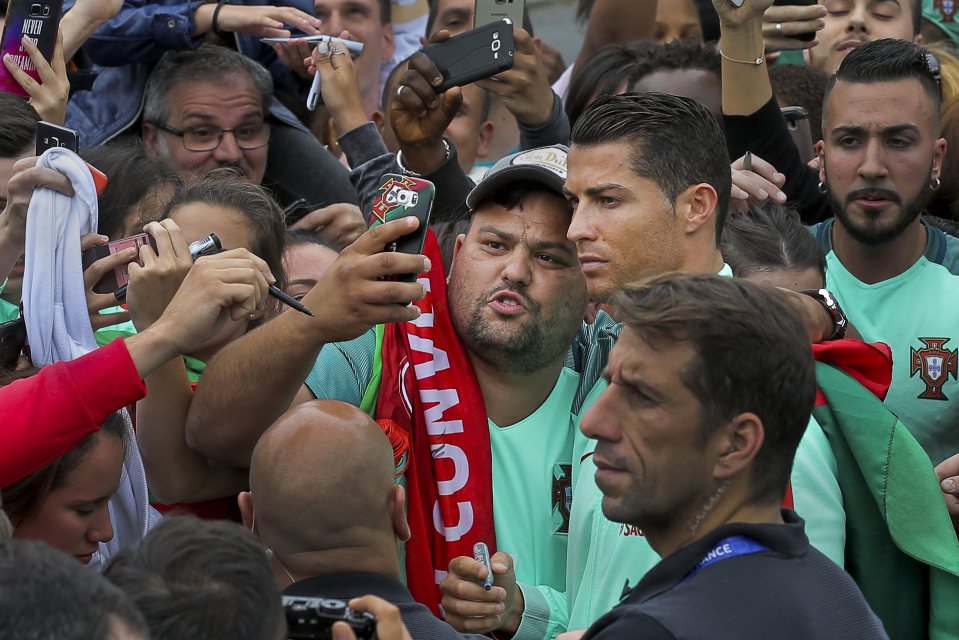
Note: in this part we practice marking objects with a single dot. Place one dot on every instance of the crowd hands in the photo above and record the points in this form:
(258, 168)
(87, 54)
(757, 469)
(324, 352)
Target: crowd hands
(243, 408)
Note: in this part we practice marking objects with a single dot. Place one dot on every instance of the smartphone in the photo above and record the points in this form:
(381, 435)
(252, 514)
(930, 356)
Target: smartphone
(807, 36)
(797, 121)
(400, 196)
(486, 11)
(120, 275)
(355, 48)
(13, 335)
(474, 55)
(51, 135)
(39, 20)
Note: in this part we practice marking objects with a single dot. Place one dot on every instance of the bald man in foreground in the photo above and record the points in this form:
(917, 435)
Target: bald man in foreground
(324, 500)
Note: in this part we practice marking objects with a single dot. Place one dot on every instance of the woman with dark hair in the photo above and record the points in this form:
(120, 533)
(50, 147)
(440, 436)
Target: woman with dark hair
(242, 215)
(137, 190)
(769, 244)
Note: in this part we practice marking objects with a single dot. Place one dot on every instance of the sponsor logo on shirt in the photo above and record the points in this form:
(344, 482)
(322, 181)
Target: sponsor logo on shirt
(562, 497)
(934, 364)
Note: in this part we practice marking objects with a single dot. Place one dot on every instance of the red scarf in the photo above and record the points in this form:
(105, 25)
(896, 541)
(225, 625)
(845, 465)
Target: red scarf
(429, 389)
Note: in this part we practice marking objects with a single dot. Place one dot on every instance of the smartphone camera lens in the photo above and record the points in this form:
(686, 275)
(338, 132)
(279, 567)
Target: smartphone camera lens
(37, 9)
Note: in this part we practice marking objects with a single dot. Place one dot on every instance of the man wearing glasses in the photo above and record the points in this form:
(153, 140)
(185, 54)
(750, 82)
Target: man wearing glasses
(207, 112)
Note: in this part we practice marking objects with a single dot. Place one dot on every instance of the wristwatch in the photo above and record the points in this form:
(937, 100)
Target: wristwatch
(828, 301)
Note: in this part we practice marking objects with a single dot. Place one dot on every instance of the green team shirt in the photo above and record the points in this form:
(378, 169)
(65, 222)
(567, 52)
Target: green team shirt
(8, 310)
(917, 314)
(531, 462)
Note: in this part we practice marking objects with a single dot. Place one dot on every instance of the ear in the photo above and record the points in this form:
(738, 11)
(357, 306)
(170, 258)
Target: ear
(460, 239)
(918, 39)
(696, 207)
(738, 445)
(937, 157)
(245, 501)
(149, 133)
(389, 43)
(820, 149)
(485, 138)
(379, 121)
(398, 513)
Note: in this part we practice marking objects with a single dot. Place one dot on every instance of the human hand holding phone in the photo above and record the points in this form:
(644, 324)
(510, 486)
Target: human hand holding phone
(160, 273)
(525, 89)
(792, 26)
(339, 85)
(96, 273)
(49, 95)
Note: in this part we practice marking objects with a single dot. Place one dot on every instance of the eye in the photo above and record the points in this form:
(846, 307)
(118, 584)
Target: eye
(848, 142)
(494, 245)
(608, 201)
(202, 133)
(898, 142)
(247, 131)
(573, 202)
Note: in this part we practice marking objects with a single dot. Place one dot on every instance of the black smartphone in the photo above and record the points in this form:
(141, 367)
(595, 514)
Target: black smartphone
(486, 11)
(38, 20)
(51, 135)
(807, 36)
(13, 335)
(120, 275)
(797, 121)
(474, 55)
(400, 196)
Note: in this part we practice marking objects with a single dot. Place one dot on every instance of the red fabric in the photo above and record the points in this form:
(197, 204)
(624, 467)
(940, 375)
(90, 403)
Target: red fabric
(869, 363)
(49, 414)
(429, 388)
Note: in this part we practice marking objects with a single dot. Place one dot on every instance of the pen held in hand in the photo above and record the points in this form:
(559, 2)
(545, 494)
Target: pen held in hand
(748, 161)
(481, 555)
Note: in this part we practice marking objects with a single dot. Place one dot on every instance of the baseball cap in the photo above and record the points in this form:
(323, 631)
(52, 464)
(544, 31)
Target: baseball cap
(545, 165)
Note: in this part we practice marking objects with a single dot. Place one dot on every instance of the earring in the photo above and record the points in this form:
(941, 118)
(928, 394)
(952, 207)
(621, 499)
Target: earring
(935, 184)
(823, 187)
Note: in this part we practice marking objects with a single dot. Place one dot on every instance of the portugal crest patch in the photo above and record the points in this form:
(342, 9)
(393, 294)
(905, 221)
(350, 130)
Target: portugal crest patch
(947, 9)
(934, 364)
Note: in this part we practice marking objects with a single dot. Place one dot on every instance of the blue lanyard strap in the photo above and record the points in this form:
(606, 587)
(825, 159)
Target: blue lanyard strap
(728, 548)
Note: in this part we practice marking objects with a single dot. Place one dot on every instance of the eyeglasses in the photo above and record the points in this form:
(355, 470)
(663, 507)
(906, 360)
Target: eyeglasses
(204, 138)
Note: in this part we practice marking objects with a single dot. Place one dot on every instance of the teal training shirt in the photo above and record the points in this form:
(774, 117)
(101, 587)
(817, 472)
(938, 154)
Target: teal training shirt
(8, 310)
(917, 314)
(531, 462)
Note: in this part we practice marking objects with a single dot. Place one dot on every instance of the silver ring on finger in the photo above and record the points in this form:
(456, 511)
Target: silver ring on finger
(779, 28)
(399, 90)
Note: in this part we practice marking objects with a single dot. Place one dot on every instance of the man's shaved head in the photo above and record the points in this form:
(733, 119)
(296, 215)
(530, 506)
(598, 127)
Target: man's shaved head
(322, 479)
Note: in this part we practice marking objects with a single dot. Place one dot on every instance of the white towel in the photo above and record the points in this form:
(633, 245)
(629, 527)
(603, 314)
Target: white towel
(58, 326)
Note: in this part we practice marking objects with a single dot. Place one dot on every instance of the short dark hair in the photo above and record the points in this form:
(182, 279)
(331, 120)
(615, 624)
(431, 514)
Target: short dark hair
(26, 496)
(626, 64)
(132, 174)
(654, 126)
(47, 594)
(208, 63)
(201, 579)
(18, 125)
(752, 355)
(800, 85)
(769, 236)
(887, 60)
(225, 188)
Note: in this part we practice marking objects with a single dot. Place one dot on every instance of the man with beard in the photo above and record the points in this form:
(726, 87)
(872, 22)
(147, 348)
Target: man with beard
(517, 298)
(895, 275)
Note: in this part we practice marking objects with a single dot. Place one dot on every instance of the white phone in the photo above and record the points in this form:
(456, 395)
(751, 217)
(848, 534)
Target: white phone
(355, 48)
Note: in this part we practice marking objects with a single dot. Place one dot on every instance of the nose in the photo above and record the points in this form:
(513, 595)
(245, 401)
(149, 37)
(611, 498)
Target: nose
(227, 150)
(873, 165)
(579, 226)
(600, 420)
(857, 18)
(517, 269)
(332, 24)
(101, 528)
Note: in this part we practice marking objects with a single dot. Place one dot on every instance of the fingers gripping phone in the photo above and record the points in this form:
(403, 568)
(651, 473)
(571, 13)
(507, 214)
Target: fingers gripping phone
(398, 197)
(120, 275)
(51, 135)
(474, 55)
(808, 36)
(797, 121)
(487, 11)
(38, 20)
